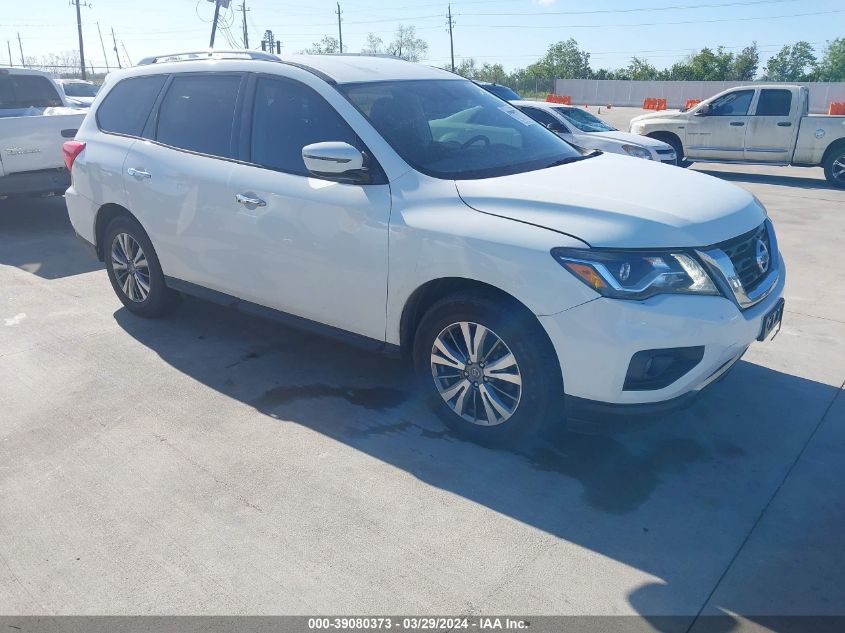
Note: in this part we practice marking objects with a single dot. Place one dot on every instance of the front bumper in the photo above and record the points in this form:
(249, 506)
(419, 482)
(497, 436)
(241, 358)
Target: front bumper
(595, 341)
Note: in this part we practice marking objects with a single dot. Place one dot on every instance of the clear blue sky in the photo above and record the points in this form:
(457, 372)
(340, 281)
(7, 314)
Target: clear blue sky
(511, 32)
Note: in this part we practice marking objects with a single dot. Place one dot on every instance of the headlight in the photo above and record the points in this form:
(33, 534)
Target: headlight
(637, 128)
(634, 274)
(636, 151)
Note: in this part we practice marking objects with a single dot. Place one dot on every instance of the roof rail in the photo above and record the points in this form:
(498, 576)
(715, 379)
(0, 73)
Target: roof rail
(209, 54)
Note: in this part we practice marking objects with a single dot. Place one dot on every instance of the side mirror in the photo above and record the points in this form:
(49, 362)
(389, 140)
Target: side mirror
(703, 110)
(333, 158)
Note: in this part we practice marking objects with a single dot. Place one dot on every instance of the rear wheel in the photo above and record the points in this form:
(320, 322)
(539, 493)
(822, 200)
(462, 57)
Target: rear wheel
(134, 270)
(488, 368)
(834, 167)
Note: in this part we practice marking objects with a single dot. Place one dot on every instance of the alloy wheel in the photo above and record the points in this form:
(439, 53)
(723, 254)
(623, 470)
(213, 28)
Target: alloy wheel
(130, 267)
(838, 169)
(476, 373)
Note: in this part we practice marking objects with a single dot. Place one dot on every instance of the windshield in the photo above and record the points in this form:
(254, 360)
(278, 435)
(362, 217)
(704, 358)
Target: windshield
(503, 92)
(27, 91)
(585, 121)
(80, 90)
(454, 129)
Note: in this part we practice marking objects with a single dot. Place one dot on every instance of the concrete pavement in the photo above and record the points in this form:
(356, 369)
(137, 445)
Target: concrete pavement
(213, 463)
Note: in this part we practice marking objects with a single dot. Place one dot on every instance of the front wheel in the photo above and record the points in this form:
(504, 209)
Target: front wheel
(676, 144)
(488, 368)
(834, 167)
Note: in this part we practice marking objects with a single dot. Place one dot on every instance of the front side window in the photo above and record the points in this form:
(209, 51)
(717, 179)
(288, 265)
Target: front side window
(774, 103)
(286, 117)
(127, 105)
(544, 118)
(584, 121)
(733, 104)
(80, 90)
(198, 114)
(454, 129)
(27, 91)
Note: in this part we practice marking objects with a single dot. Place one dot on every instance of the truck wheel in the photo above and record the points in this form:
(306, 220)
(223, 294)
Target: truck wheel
(834, 167)
(676, 144)
(487, 367)
(134, 270)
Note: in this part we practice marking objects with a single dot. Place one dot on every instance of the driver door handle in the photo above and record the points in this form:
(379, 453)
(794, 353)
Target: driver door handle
(248, 201)
(737, 123)
(138, 173)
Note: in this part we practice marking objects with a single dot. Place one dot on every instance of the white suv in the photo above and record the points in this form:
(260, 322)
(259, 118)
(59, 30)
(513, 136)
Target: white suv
(408, 209)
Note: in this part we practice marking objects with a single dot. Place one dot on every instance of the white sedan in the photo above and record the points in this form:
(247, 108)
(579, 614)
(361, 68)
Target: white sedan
(581, 128)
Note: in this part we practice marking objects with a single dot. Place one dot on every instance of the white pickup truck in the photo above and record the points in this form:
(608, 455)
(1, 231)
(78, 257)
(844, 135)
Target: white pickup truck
(34, 122)
(753, 124)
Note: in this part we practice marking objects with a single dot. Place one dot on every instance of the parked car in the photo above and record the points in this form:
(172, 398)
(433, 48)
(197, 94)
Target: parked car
(34, 122)
(520, 276)
(503, 92)
(79, 93)
(756, 125)
(586, 130)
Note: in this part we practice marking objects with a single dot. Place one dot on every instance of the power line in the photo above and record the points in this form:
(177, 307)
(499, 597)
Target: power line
(639, 9)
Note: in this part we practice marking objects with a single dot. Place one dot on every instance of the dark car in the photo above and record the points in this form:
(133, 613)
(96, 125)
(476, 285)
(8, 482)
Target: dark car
(503, 92)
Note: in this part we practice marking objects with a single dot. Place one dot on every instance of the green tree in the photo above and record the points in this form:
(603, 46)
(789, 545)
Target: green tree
(745, 64)
(564, 60)
(494, 73)
(710, 65)
(325, 46)
(374, 45)
(466, 68)
(832, 66)
(639, 70)
(792, 63)
(406, 44)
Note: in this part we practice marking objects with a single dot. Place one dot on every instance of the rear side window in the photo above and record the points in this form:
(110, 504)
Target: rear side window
(27, 91)
(198, 113)
(287, 116)
(774, 103)
(127, 106)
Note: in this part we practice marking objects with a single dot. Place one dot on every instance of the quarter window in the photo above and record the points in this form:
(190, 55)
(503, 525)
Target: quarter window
(198, 114)
(127, 106)
(544, 118)
(733, 104)
(774, 103)
(287, 116)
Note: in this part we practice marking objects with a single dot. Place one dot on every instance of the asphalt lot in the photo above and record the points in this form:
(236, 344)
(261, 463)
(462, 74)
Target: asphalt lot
(214, 463)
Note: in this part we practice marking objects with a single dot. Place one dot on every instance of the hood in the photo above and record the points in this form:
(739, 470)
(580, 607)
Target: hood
(615, 201)
(633, 139)
(661, 114)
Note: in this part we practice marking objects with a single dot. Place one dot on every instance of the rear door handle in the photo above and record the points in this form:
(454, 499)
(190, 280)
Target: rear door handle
(785, 123)
(737, 123)
(138, 173)
(249, 201)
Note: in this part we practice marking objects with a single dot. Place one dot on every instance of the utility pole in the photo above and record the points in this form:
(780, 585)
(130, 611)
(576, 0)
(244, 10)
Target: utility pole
(81, 46)
(243, 9)
(339, 29)
(9, 46)
(116, 54)
(23, 63)
(103, 46)
(125, 52)
(451, 40)
(214, 22)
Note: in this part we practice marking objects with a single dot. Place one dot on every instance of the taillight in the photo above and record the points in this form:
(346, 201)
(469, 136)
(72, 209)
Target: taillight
(70, 150)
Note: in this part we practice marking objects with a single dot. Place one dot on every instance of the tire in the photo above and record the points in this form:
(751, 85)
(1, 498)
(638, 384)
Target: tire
(676, 144)
(140, 285)
(535, 402)
(834, 167)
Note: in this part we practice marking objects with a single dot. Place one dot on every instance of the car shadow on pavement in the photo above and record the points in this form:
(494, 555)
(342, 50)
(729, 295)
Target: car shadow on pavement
(672, 497)
(36, 236)
(797, 182)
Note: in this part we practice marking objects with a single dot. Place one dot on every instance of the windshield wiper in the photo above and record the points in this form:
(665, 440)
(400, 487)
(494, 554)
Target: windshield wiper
(573, 159)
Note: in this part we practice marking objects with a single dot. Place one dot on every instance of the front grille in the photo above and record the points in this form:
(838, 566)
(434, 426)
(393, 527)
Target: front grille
(742, 252)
